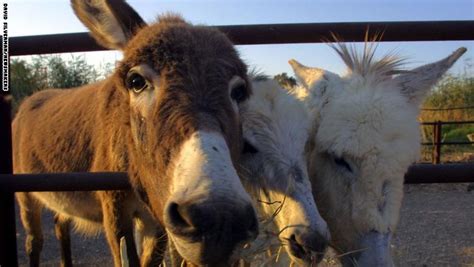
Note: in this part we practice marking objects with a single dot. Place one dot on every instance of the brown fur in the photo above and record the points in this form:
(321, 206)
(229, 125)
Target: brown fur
(196, 73)
(89, 129)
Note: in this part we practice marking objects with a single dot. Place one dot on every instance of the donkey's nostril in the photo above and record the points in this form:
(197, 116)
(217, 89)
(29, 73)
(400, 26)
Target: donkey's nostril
(309, 247)
(296, 248)
(177, 216)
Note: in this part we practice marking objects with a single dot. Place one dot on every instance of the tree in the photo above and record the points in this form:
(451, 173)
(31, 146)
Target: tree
(284, 80)
(24, 81)
(454, 94)
(66, 74)
(48, 72)
(451, 100)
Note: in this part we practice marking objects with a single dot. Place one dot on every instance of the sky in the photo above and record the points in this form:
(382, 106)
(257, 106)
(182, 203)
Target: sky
(33, 17)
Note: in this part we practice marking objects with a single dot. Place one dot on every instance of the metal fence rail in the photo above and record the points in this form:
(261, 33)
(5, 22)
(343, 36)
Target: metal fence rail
(92, 181)
(272, 34)
(239, 34)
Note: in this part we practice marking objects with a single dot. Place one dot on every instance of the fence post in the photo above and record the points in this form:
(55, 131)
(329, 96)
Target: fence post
(8, 253)
(436, 155)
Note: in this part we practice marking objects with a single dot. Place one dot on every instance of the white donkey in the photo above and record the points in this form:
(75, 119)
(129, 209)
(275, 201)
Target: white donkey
(364, 137)
(275, 129)
(273, 169)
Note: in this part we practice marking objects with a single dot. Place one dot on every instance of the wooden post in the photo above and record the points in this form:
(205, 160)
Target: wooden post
(433, 141)
(437, 133)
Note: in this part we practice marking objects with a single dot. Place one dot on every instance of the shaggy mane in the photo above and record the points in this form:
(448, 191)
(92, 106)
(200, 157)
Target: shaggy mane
(364, 63)
(171, 18)
(257, 75)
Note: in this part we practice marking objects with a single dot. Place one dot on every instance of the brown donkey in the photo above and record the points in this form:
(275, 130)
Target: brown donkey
(169, 117)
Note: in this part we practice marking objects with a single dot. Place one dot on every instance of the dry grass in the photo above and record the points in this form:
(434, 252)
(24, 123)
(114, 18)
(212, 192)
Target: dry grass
(268, 248)
(267, 240)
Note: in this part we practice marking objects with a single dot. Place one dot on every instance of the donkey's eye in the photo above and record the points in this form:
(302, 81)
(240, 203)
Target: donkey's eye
(342, 163)
(239, 93)
(248, 148)
(136, 82)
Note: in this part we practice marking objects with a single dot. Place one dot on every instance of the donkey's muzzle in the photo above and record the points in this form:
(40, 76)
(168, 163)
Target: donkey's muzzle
(308, 246)
(219, 226)
(374, 251)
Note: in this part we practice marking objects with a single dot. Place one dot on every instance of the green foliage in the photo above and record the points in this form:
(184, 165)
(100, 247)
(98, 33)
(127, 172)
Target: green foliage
(24, 80)
(459, 134)
(284, 80)
(66, 74)
(48, 72)
(454, 91)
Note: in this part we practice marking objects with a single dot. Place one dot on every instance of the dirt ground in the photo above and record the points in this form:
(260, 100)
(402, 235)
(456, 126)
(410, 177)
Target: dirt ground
(436, 229)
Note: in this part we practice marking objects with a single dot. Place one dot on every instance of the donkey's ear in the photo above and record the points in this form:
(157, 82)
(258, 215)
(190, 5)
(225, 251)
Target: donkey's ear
(415, 84)
(111, 22)
(306, 75)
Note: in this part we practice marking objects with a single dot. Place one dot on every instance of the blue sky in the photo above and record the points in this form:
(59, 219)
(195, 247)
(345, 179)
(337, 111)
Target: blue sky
(28, 17)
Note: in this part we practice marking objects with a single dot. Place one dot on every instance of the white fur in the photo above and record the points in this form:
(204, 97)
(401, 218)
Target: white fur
(277, 125)
(204, 166)
(369, 119)
(204, 170)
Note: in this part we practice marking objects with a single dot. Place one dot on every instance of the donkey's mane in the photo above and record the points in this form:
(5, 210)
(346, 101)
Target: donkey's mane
(257, 75)
(364, 63)
(171, 18)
